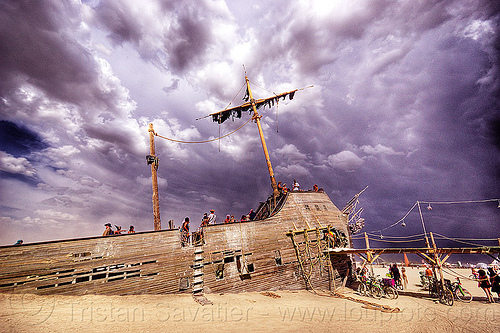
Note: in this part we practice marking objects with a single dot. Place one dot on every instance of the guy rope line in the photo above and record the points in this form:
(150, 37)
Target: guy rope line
(395, 241)
(397, 237)
(459, 241)
(204, 141)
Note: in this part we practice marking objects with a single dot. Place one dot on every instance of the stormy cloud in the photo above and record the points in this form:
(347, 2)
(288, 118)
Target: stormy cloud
(405, 101)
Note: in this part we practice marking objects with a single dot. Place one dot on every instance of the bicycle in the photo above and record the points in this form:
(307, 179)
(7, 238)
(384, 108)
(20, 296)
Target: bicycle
(458, 291)
(374, 290)
(388, 288)
(424, 281)
(368, 287)
(399, 284)
(444, 295)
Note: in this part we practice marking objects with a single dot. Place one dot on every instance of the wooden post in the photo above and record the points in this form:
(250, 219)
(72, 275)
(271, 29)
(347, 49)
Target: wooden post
(154, 168)
(256, 117)
(437, 260)
(368, 253)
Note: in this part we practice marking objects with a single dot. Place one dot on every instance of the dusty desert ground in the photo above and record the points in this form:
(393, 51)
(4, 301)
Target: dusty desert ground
(292, 311)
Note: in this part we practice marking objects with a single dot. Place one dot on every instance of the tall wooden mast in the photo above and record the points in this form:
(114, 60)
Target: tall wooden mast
(256, 117)
(252, 105)
(153, 160)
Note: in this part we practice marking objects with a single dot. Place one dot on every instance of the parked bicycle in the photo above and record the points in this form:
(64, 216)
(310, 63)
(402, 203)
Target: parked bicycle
(424, 280)
(368, 286)
(436, 289)
(399, 284)
(458, 291)
(389, 289)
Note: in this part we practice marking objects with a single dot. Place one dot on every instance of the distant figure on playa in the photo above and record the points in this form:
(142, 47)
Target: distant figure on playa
(108, 231)
(484, 283)
(428, 273)
(131, 230)
(185, 232)
(212, 217)
(315, 188)
(405, 278)
(395, 273)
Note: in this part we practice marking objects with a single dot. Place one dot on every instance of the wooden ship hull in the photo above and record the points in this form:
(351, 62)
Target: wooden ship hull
(289, 250)
(289, 246)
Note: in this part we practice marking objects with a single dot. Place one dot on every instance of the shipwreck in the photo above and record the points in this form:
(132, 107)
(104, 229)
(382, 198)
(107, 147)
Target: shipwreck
(290, 245)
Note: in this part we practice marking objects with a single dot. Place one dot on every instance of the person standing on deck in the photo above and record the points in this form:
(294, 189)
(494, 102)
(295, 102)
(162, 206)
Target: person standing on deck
(212, 217)
(131, 230)
(204, 220)
(280, 188)
(108, 231)
(185, 232)
(251, 215)
(295, 185)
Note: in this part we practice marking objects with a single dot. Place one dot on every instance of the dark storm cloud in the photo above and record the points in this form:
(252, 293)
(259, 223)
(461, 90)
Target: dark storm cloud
(181, 40)
(37, 46)
(412, 83)
(404, 101)
(119, 20)
(17, 140)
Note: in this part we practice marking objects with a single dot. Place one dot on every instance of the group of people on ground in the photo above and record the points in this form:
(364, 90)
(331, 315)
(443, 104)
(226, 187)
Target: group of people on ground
(489, 282)
(109, 231)
(400, 278)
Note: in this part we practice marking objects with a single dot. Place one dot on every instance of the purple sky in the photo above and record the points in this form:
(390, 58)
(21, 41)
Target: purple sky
(405, 101)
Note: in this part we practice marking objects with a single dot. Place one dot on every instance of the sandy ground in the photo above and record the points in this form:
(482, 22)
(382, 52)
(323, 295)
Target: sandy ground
(300, 311)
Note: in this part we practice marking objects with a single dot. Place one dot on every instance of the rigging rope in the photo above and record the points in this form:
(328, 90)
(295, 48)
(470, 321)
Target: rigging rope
(204, 141)
(458, 241)
(458, 202)
(397, 237)
(435, 203)
(398, 241)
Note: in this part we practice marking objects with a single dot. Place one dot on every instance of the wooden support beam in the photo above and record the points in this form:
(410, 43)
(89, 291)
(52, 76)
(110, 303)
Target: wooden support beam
(436, 257)
(368, 253)
(445, 258)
